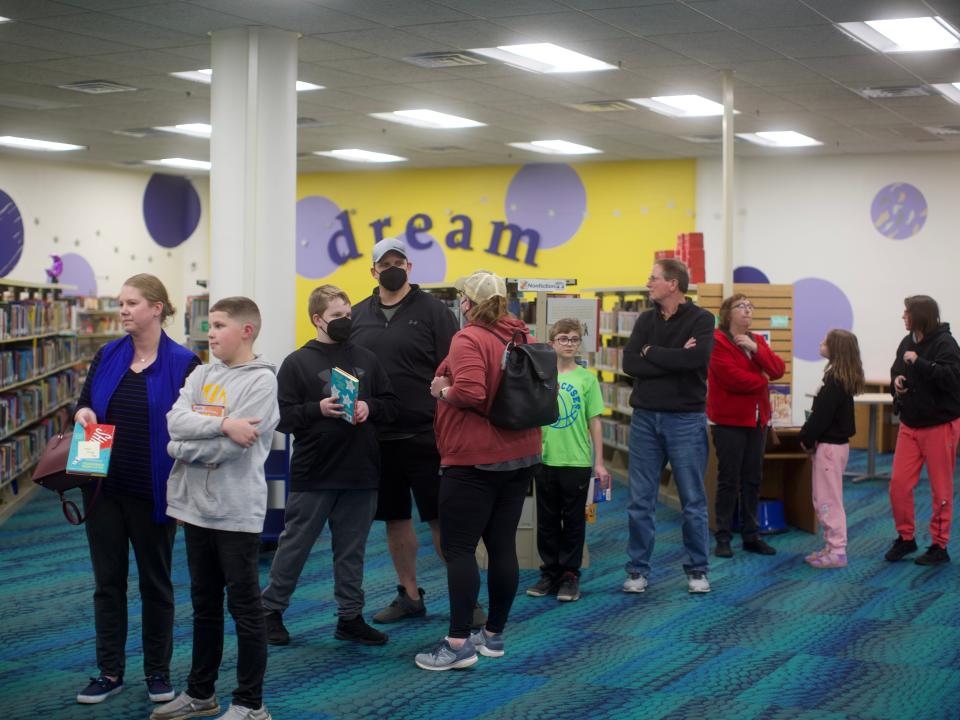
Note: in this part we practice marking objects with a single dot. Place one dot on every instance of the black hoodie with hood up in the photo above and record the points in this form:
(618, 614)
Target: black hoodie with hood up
(933, 381)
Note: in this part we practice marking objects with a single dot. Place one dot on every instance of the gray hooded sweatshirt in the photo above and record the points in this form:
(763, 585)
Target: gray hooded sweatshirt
(215, 483)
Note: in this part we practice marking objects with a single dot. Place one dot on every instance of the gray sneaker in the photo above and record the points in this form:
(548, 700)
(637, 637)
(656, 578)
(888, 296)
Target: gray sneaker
(487, 644)
(184, 706)
(444, 657)
(402, 607)
(238, 712)
(635, 583)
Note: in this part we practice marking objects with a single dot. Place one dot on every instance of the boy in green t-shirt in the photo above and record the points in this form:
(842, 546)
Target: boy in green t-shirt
(572, 454)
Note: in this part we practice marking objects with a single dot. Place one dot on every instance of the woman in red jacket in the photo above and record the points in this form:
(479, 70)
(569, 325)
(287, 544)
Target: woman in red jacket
(738, 404)
(486, 472)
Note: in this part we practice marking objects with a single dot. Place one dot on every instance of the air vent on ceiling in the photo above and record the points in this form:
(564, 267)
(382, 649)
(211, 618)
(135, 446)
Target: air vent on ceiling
(97, 87)
(445, 59)
(140, 132)
(899, 91)
(603, 106)
(943, 130)
(442, 149)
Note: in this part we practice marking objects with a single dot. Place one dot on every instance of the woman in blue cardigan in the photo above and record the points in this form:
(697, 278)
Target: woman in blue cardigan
(132, 384)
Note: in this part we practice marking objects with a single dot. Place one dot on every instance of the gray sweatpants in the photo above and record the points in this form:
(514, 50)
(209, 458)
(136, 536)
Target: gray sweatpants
(350, 513)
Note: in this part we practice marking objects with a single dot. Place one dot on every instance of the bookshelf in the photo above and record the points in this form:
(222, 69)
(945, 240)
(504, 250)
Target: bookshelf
(40, 361)
(196, 325)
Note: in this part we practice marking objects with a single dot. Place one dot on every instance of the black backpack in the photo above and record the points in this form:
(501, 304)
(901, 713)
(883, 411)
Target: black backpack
(527, 395)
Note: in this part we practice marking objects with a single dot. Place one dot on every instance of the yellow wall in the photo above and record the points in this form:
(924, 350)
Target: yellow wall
(632, 209)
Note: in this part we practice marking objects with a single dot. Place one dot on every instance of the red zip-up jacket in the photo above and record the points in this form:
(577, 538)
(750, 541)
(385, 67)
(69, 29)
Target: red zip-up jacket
(737, 391)
(464, 435)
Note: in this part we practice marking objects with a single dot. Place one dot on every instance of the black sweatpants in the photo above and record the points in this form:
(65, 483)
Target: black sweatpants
(739, 465)
(115, 523)
(561, 523)
(477, 504)
(221, 559)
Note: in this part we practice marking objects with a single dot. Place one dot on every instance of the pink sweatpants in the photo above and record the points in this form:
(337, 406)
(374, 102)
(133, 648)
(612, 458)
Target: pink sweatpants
(937, 447)
(829, 462)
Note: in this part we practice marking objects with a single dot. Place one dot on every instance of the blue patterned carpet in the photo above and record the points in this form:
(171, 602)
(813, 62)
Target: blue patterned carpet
(775, 639)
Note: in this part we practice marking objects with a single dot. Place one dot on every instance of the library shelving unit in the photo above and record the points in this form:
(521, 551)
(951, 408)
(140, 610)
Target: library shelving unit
(97, 323)
(39, 380)
(196, 325)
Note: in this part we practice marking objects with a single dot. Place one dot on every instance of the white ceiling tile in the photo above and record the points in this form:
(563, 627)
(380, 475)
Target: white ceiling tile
(503, 8)
(468, 34)
(24, 9)
(569, 29)
(745, 14)
(778, 72)
(397, 13)
(658, 20)
(130, 32)
(870, 69)
(386, 42)
(860, 10)
(295, 15)
(66, 43)
(716, 48)
(182, 16)
(315, 49)
(154, 60)
(472, 91)
(636, 53)
(821, 97)
(933, 67)
(809, 42)
(385, 70)
(14, 53)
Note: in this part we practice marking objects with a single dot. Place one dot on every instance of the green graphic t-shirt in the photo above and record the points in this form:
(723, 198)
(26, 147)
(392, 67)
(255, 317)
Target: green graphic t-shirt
(567, 443)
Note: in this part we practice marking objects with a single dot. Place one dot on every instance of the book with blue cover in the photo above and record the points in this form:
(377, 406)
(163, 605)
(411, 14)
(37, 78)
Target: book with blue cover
(90, 449)
(345, 388)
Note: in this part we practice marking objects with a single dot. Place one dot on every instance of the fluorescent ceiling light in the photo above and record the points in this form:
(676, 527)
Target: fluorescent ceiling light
(357, 155)
(556, 147)
(428, 119)
(32, 144)
(206, 76)
(918, 34)
(951, 91)
(780, 138)
(544, 58)
(5, 20)
(682, 106)
(182, 163)
(200, 130)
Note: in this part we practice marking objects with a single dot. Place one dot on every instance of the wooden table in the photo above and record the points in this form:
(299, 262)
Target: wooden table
(874, 401)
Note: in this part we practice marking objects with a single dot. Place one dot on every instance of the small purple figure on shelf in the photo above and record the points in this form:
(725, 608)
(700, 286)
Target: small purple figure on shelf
(55, 270)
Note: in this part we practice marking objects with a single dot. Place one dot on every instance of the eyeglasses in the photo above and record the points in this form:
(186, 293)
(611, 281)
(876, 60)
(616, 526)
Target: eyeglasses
(745, 306)
(565, 340)
(654, 278)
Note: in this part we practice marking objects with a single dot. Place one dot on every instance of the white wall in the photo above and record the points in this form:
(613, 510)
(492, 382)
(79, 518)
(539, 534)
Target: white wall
(98, 213)
(801, 217)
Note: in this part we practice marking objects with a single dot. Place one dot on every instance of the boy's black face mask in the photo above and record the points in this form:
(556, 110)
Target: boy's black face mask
(339, 329)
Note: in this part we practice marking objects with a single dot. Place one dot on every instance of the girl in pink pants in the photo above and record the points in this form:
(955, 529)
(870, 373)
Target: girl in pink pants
(826, 434)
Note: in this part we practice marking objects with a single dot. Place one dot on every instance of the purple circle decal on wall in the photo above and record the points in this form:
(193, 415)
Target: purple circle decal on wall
(818, 306)
(11, 234)
(77, 271)
(749, 274)
(171, 209)
(430, 263)
(899, 211)
(318, 220)
(549, 198)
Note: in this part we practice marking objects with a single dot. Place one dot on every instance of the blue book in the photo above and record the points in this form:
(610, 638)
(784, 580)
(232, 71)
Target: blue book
(90, 449)
(345, 388)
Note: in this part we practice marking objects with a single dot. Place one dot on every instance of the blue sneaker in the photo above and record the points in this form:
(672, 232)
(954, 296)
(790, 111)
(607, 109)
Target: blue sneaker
(444, 657)
(488, 644)
(159, 689)
(99, 689)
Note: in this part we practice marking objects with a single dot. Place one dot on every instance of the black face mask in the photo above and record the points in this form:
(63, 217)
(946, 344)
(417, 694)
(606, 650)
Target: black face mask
(393, 278)
(339, 330)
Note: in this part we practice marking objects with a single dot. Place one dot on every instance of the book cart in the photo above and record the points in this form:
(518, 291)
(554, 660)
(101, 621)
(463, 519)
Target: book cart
(39, 380)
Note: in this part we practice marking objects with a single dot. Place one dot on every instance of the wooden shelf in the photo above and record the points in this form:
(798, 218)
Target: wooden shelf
(57, 333)
(42, 416)
(27, 285)
(35, 378)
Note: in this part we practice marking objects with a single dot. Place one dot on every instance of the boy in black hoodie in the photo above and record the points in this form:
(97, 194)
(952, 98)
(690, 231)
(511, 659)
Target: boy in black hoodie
(335, 468)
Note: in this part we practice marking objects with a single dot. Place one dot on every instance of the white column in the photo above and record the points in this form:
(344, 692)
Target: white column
(253, 109)
(728, 139)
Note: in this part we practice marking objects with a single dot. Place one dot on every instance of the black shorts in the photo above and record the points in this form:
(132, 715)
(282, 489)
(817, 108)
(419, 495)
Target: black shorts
(405, 465)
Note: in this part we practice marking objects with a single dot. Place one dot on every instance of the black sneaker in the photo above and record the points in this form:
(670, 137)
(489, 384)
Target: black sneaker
(402, 607)
(356, 630)
(723, 549)
(159, 689)
(900, 549)
(99, 689)
(479, 617)
(569, 589)
(276, 633)
(546, 585)
(759, 547)
(935, 555)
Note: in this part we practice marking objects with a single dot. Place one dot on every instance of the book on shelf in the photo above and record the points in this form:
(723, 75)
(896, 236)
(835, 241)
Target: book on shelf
(90, 449)
(26, 318)
(345, 388)
(781, 405)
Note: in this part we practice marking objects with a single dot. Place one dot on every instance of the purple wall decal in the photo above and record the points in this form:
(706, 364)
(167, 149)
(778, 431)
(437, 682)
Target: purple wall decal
(171, 209)
(549, 198)
(899, 211)
(819, 306)
(749, 274)
(317, 221)
(11, 234)
(77, 271)
(430, 264)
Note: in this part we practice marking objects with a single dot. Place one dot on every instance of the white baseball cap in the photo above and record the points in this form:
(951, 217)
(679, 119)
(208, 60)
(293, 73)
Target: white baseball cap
(481, 286)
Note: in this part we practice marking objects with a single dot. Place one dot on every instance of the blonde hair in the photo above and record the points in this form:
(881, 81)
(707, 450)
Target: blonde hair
(321, 298)
(844, 360)
(240, 308)
(153, 292)
(489, 311)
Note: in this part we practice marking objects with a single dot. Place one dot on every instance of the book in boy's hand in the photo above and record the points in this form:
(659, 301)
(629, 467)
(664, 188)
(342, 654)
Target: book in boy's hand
(90, 449)
(345, 388)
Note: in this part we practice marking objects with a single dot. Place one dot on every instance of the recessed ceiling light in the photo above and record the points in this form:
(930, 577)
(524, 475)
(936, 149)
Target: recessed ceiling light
(33, 144)
(780, 138)
(544, 58)
(5, 20)
(358, 155)
(556, 147)
(919, 34)
(681, 105)
(427, 119)
(182, 163)
(951, 91)
(206, 76)
(200, 130)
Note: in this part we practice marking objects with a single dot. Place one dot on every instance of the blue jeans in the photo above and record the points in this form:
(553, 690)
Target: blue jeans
(681, 438)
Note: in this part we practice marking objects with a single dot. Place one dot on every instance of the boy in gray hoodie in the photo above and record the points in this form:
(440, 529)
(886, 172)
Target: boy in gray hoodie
(221, 430)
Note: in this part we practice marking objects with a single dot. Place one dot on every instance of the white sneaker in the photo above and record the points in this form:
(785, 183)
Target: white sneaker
(697, 582)
(635, 583)
(237, 712)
